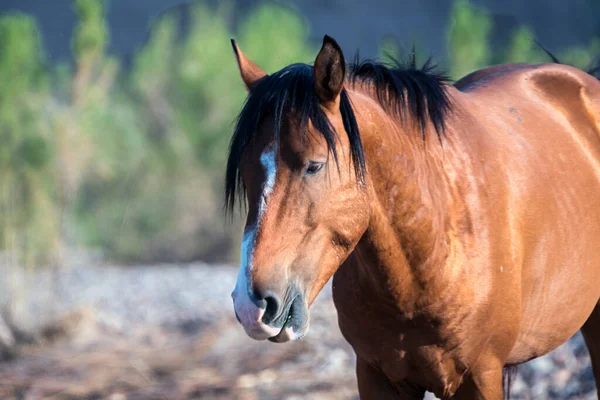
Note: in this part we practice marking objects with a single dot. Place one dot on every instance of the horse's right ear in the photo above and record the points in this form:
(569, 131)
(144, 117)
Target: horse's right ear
(250, 72)
(329, 71)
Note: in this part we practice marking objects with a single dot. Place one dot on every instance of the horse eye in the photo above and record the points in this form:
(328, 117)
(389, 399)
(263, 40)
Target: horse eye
(313, 167)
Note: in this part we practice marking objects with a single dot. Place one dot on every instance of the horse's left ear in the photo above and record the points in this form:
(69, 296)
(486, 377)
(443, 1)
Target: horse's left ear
(329, 71)
(251, 73)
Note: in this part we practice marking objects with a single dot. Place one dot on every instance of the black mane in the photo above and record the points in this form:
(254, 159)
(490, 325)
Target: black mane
(405, 88)
(402, 88)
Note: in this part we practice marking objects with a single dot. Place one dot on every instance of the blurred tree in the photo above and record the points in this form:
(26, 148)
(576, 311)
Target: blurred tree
(87, 143)
(582, 56)
(109, 145)
(468, 39)
(208, 97)
(27, 227)
(152, 79)
(275, 36)
(522, 49)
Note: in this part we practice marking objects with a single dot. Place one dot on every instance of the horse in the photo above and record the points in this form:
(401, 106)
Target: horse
(459, 222)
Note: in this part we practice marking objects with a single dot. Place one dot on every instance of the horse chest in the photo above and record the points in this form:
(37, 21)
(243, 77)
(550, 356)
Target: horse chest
(402, 351)
(411, 356)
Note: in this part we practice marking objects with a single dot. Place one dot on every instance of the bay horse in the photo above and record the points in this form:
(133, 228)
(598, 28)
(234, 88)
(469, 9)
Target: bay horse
(460, 221)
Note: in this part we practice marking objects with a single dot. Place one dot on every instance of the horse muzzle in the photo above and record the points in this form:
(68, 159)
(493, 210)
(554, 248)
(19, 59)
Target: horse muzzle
(266, 317)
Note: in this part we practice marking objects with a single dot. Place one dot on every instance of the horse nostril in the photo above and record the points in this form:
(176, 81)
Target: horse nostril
(268, 301)
(271, 310)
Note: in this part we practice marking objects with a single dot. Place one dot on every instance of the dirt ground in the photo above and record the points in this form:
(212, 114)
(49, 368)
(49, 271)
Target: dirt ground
(196, 360)
(90, 354)
(99, 349)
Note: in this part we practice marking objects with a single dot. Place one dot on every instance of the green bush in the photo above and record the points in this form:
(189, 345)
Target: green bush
(582, 56)
(522, 48)
(27, 209)
(468, 39)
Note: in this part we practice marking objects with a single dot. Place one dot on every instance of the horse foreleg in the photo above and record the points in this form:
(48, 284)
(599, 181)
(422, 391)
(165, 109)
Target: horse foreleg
(591, 334)
(483, 383)
(373, 384)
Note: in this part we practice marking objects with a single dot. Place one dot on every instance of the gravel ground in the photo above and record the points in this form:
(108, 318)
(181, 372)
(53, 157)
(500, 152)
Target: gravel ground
(127, 297)
(178, 323)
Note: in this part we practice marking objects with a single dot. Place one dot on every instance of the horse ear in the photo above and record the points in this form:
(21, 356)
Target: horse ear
(329, 71)
(250, 72)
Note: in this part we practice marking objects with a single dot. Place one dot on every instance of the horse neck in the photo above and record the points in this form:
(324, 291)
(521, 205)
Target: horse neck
(404, 245)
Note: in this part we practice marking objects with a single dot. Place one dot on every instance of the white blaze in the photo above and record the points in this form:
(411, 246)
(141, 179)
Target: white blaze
(247, 311)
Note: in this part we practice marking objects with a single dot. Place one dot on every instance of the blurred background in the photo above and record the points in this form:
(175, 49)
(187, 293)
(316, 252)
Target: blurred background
(116, 258)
